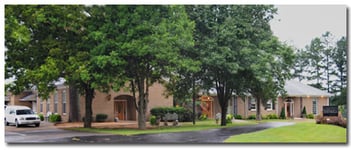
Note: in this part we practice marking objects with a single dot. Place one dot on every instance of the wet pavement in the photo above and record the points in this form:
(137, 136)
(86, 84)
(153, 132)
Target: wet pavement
(32, 134)
(207, 136)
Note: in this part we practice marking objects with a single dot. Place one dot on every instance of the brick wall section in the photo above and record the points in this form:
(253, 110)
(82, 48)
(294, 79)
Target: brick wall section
(279, 104)
(242, 107)
(43, 102)
(307, 102)
(104, 102)
(15, 100)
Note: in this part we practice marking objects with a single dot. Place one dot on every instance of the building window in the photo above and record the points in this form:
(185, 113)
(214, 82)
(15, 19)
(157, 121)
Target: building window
(55, 101)
(314, 106)
(269, 105)
(235, 105)
(252, 104)
(41, 105)
(64, 101)
(47, 105)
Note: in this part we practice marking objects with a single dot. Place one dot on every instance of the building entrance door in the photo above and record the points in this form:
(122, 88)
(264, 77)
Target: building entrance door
(289, 109)
(121, 110)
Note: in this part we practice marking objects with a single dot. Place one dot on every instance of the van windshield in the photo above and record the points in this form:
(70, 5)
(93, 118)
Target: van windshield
(24, 112)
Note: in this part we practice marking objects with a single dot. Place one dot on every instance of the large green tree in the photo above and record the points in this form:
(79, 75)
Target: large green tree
(39, 38)
(58, 44)
(268, 72)
(235, 40)
(301, 63)
(328, 44)
(315, 59)
(147, 42)
(339, 59)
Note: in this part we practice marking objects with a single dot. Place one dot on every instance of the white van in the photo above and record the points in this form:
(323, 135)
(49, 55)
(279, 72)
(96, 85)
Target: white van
(21, 115)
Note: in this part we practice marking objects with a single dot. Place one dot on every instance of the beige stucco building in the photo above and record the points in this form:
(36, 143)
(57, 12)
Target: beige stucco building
(121, 105)
(299, 96)
(114, 104)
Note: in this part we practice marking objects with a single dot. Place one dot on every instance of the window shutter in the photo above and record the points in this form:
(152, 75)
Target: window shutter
(273, 105)
(249, 104)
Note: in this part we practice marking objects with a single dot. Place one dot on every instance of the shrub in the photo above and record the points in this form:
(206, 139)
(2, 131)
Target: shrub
(339, 121)
(187, 116)
(238, 117)
(319, 119)
(153, 120)
(342, 122)
(183, 114)
(304, 111)
(203, 117)
(229, 118)
(271, 116)
(282, 114)
(41, 116)
(310, 116)
(101, 117)
(55, 118)
(252, 117)
(265, 117)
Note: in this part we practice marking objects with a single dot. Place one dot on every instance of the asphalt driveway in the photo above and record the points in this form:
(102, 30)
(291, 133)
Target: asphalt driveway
(208, 136)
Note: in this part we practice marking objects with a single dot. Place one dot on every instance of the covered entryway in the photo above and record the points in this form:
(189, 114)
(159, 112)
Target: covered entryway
(124, 107)
(120, 109)
(289, 108)
(206, 106)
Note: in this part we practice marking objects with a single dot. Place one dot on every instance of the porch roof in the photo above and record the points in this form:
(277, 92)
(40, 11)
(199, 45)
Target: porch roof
(298, 89)
(7, 98)
(30, 97)
(292, 87)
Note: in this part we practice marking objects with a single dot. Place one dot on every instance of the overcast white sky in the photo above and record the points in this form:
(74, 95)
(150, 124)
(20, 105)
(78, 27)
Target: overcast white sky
(299, 24)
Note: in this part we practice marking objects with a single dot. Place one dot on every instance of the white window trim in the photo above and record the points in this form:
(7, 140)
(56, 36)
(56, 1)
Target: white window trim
(64, 102)
(252, 103)
(271, 103)
(316, 100)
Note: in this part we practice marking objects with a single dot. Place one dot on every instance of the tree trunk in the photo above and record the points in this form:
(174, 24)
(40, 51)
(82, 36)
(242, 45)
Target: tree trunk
(194, 99)
(89, 95)
(223, 102)
(142, 105)
(73, 104)
(224, 107)
(142, 116)
(258, 109)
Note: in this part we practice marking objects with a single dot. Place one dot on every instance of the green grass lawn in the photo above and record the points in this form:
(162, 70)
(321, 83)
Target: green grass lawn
(184, 126)
(301, 132)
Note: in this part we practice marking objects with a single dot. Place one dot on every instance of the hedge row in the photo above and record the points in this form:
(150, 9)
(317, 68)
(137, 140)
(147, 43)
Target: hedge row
(184, 115)
(55, 118)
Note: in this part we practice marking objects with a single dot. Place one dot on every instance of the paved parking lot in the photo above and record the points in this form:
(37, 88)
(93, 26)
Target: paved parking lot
(49, 133)
(43, 126)
(46, 131)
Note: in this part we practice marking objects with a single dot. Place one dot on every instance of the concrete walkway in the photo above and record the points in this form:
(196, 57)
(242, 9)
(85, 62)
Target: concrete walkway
(208, 136)
(109, 125)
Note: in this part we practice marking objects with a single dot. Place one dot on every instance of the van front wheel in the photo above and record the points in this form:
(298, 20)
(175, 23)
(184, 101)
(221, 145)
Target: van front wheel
(6, 123)
(17, 124)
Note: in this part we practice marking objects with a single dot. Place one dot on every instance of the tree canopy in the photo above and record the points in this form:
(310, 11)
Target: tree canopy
(323, 64)
(95, 47)
(104, 47)
(236, 46)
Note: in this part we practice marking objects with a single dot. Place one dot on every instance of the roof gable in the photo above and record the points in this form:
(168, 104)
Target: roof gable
(298, 89)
